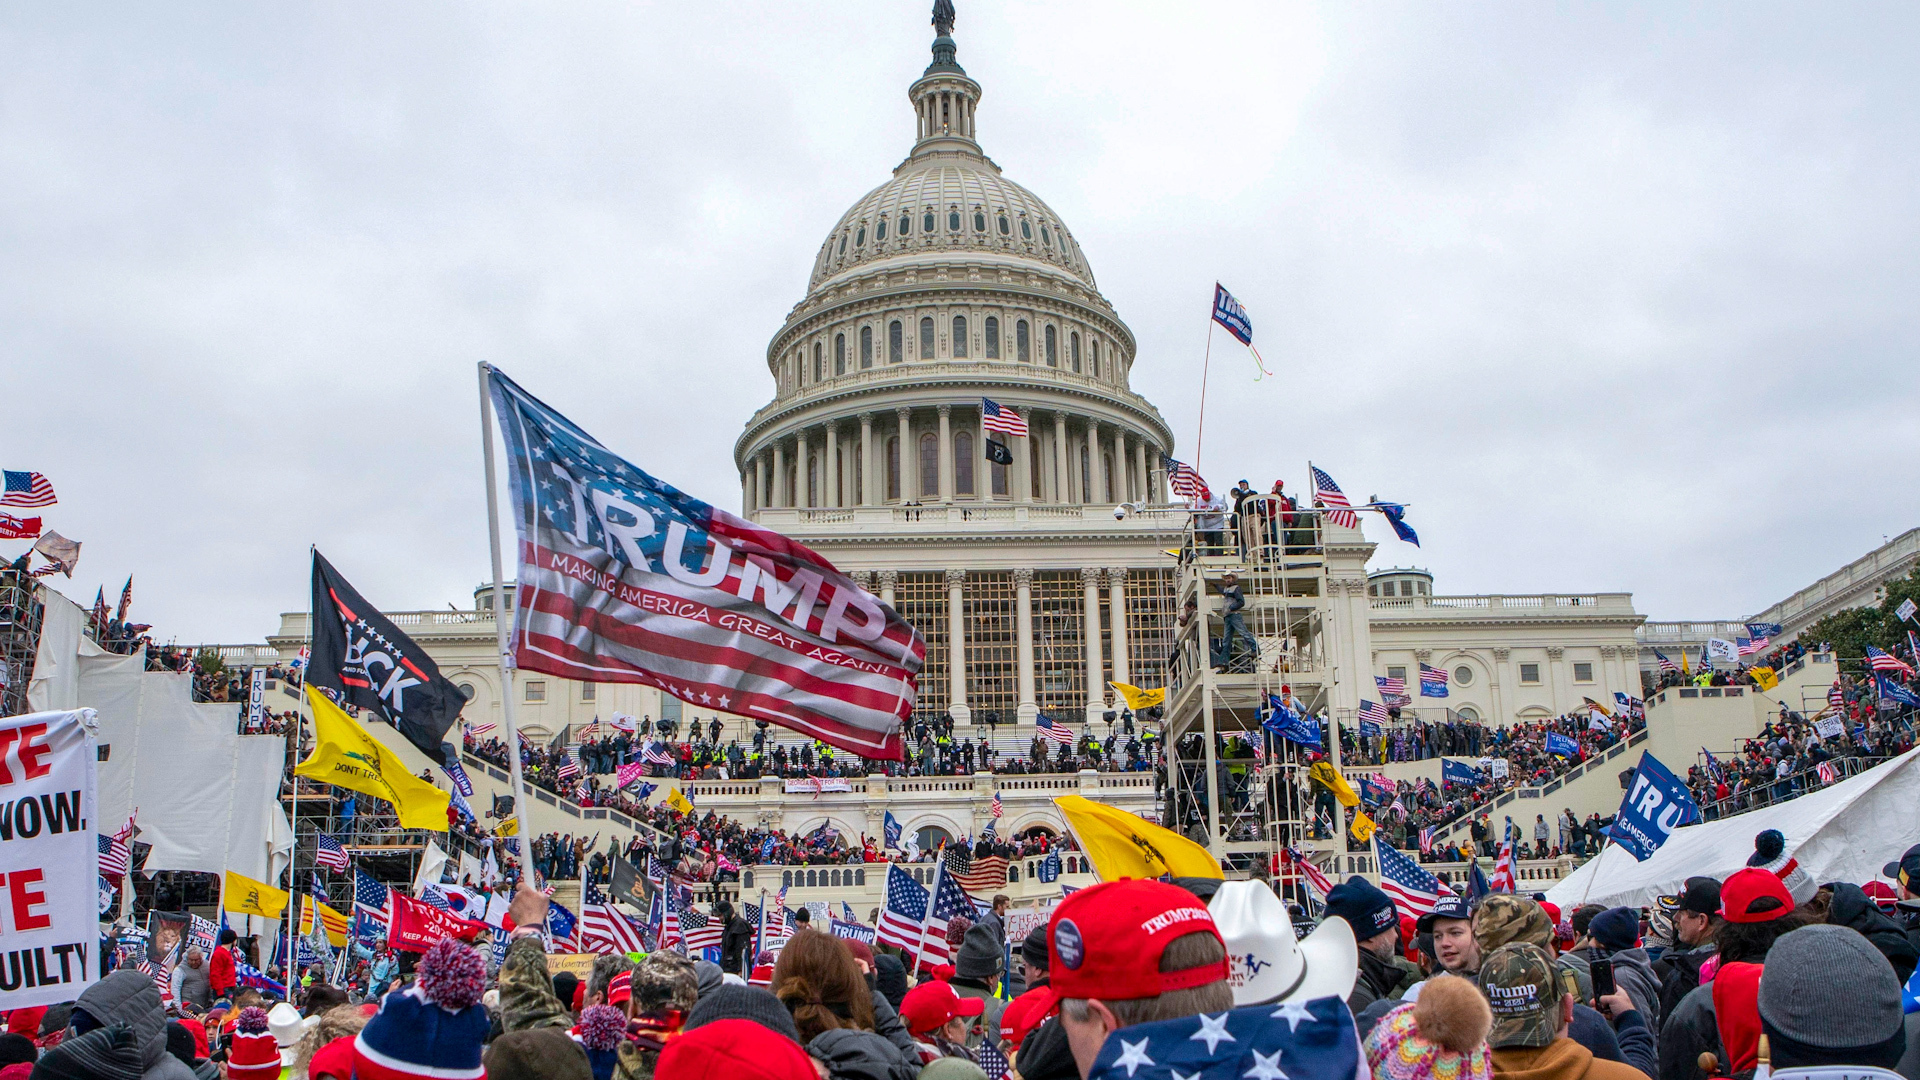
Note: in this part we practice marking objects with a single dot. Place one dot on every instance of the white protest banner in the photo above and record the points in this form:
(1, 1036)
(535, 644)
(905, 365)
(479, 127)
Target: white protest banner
(1830, 726)
(257, 699)
(1905, 610)
(814, 785)
(1500, 768)
(49, 858)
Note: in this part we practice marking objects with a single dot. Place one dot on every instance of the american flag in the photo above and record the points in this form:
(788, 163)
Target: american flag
(329, 853)
(1426, 840)
(975, 875)
(477, 730)
(606, 929)
(992, 1061)
(1826, 772)
(994, 417)
(25, 489)
(1047, 728)
(591, 731)
(1503, 877)
(1413, 889)
(1836, 697)
(1665, 664)
(1880, 661)
(1183, 480)
(1433, 681)
(1749, 646)
(435, 896)
(1374, 712)
(904, 912)
(1391, 685)
(1327, 494)
(570, 764)
(655, 754)
(996, 804)
(369, 904)
(114, 857)
(843, 667)
(948, 900)
(1315, 878)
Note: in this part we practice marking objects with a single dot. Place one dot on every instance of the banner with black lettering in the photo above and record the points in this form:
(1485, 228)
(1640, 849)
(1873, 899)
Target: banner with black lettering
(49, 858)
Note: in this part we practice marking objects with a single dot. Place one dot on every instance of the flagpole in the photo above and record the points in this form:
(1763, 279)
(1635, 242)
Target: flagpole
(293, 777)
(1200, 428)
(501, 632)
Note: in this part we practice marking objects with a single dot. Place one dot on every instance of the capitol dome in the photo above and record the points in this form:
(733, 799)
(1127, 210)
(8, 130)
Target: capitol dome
(945, 292)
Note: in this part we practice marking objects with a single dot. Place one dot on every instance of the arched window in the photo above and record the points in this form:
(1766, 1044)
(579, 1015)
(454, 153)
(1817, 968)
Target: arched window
(893, 465)
(843, 243)
(926, 221)
(813, 879)
(880, 230)
(993, 338)
(833, 878)
(1106, 474)
(895, 345)
(860, 237)
(786, 879)
(926, 339)
(839, 354)
(866, 346)
(997, 476)
(1003, 225)
(1026, 229)
(906, 224)
(1053, 347)
(953, 219)
(819, 363)
(963, 462)
(930, 837)
(929, 466)
(1013, 872)
(1073, 351)
(860, 877)
(1086, 474)
(1045, 236)
(1021, 350)
(979, 220)
(960, 335)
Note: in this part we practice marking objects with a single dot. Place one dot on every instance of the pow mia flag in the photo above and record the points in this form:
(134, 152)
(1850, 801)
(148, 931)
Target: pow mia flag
(998, 453)
(367, 662)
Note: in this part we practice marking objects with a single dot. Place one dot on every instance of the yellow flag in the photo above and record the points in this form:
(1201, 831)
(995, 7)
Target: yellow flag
(1362, 826)
(1126, 845)
(1138, 699)
(507, 827)
(1765, 677)
(245, 896)
(345, 755)
(1324, 774)
(1592, 704)
(336, 923)
(676, 799)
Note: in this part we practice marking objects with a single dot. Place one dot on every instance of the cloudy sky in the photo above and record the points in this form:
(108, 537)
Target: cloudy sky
(1617, 297)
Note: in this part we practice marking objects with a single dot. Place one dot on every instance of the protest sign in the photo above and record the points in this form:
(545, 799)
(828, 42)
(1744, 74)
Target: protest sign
(49, 858)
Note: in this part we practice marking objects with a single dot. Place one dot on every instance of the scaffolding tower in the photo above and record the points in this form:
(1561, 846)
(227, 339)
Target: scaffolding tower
(1232, 786)
(20, 615)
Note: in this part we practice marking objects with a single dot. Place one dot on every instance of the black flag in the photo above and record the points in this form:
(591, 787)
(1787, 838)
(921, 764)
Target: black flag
(369, 663)
(998, 453)
(628, 887)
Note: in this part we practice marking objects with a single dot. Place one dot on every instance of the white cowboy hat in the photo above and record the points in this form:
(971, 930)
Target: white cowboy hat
(287, 1025)
(1266, 965)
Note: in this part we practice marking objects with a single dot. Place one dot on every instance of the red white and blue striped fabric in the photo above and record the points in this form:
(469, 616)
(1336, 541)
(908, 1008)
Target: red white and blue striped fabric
(25, 489)
(997, 417)
(1047, 728)
(1327, 494)
(1414, 891)
(625, 579)
(1371, 711)
(1391, 685)
(1879, 660)
(330, 854)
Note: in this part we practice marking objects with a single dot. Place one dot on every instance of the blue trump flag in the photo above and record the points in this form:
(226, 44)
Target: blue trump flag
(1457, 772)
(1396, 516)
(892, 829)
(1370, 729)
(1656, 804)
(1890, 690)
(1288, 724)
(1562, 745)
(1314, 1039)
(1228, 313)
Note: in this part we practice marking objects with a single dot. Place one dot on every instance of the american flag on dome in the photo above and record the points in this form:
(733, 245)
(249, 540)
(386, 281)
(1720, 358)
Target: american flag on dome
(25, 489)
(997, 417)
(1391, 685)
(1879, 660)
(1183, 481)
(1374, 712)
(642, 583)
(1048, 728)
(1327, 494)
(1413, 889)
(330, 854)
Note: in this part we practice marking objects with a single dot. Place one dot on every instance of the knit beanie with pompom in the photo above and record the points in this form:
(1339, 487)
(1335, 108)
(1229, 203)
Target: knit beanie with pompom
(601, 1029)
(1442, 1036)
(434, 1029)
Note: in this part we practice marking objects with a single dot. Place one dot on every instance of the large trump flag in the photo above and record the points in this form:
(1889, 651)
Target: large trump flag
(624, 578)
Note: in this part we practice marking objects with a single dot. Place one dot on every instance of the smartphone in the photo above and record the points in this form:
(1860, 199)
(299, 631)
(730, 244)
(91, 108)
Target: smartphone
(1602, 971)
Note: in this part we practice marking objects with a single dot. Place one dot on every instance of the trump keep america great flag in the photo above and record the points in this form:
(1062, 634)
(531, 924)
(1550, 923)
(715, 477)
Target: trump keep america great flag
(625, 579)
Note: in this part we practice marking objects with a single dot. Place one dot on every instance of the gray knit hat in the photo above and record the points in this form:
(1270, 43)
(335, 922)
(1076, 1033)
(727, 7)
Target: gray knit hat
(1827, 996)
(744, 1003)
(979, 954)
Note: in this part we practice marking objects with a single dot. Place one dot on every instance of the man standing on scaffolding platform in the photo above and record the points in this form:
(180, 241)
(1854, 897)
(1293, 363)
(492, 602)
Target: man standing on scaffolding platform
(1236, 628)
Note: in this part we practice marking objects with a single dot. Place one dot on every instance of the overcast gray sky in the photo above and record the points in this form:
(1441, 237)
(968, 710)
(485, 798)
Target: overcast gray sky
(1618, 297)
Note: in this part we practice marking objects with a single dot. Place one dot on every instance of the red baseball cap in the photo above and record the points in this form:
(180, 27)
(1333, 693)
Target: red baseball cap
(1882, 895)
(931, 1004)
(1552, 910)
(734, 1050)
(1754, 895)
(1105, 941)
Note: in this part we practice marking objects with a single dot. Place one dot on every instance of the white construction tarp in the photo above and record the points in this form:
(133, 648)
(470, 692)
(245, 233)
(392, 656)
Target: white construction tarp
(56, 663)
(1846, 832)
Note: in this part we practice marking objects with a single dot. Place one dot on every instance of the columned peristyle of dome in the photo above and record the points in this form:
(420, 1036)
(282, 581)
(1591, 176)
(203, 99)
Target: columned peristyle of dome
(945, 285)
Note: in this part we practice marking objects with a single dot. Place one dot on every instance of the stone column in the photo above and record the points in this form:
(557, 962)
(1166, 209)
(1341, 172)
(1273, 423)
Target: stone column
(909, 460)
(802, 483)
(1096, 469)
(1060, 458)
(1142, 486)
(868, 478)
(982, 468)
(1117, 604)
(1500, 680)
(957, 646)
(946, 453)
(761, 469)
(746, 492)
(1021, 476)
(1096, 685)
(830, 466)
(1559, 679)
(1028, 707)
(780, 492)
(888, 579)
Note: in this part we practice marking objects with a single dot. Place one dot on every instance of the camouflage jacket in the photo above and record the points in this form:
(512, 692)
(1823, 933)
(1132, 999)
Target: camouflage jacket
(527, 1001)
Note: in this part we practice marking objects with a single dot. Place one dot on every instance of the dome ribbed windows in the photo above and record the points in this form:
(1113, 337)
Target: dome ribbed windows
(993, 338)
(1053, 347)
(1022, 347)
(1073, 351)
(866, 347)
(926, 339)
(840, 354)
(953, 219)
(960, 335)
(979, 221)
(895, 346)
(1003, 224)
(1026, 229)
(880, 230)
(926, 221)
(860, 237)
(906, 224)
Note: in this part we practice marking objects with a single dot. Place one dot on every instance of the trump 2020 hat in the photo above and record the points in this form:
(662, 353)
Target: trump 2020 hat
(1265, 963)
(1105, 941)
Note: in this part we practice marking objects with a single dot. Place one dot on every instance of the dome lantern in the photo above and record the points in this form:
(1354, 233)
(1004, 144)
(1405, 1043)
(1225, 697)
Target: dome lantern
(944, 98)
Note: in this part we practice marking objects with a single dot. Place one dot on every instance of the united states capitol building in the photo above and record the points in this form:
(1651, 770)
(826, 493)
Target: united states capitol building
(1040, 578)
